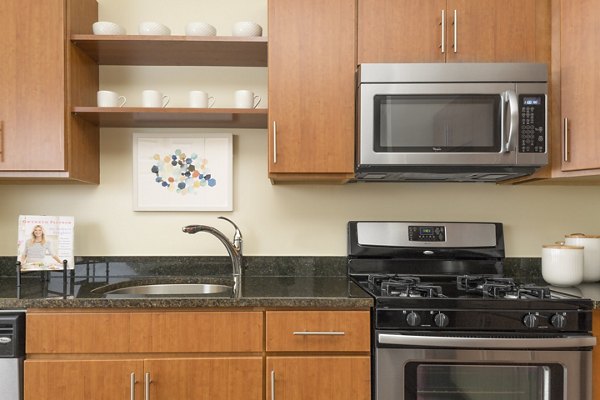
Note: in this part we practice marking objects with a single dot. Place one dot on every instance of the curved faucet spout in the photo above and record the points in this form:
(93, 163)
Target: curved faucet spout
(233, 248)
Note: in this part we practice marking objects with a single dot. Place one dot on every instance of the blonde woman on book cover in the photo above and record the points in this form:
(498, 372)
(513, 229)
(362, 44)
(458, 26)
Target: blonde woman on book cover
(37, 247)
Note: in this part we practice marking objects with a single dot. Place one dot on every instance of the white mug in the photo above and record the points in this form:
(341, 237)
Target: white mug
(154, 98)
(200, 99)
(562, 265)
(107, 98)
(246, 99)
(591, 254)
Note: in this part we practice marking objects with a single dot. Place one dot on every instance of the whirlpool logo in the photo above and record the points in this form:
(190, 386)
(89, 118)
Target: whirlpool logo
(5, 340)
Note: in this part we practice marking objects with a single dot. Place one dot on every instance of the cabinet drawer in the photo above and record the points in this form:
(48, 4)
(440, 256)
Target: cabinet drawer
(144, 332)
(318, 331)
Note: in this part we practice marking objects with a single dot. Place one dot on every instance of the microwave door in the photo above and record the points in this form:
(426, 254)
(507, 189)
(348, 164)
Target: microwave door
(438, 124)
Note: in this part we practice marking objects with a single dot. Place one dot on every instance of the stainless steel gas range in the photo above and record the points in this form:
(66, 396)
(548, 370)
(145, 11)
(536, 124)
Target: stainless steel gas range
(448, 325)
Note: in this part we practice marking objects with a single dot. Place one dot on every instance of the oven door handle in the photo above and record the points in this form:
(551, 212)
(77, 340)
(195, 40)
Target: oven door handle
(488, 343)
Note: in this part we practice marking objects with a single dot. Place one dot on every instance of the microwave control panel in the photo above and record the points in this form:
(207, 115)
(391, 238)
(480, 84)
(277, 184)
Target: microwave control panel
(532, 123)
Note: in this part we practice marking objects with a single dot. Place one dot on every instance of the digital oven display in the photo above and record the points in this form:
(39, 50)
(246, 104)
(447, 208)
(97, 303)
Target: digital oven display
(532, 101)
(427, 233)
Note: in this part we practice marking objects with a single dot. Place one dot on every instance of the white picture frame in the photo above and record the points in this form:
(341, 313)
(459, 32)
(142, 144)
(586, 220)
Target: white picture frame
(182, 172)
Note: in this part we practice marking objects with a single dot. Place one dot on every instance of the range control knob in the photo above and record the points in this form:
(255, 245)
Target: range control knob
(441, 320)
(558, 321)
(413, 319)
(530, 321)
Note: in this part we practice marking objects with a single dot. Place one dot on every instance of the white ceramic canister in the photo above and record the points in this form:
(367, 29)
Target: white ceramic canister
(562, 265)
(591, 254)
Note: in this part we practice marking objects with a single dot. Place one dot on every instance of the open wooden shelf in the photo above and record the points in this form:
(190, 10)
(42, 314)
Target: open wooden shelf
(144, 117)
(174, 50)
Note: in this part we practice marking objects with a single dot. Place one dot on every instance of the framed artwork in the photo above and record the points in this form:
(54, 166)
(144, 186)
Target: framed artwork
(182, 172)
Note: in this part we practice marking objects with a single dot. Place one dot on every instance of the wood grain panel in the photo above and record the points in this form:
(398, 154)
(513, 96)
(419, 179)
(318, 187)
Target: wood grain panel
(400, 31)
(206, 378)
(281, 326)
(320, 378)
(495, 30)
(74, 380)
(312, 66)
(144, 332)
(580, 62)
(32, 80)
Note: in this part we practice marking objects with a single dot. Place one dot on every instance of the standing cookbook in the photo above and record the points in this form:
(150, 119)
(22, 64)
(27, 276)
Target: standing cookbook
(44, 242)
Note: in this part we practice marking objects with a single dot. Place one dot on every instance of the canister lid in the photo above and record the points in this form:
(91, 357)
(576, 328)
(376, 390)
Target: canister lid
(582, 235)
(562, 246)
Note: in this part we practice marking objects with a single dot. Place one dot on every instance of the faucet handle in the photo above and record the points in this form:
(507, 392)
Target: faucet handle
(237, 235)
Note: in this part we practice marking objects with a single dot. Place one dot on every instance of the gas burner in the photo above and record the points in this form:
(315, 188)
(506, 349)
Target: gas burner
(408, 286)
(489, 286)
(538, 292)
(376, 280)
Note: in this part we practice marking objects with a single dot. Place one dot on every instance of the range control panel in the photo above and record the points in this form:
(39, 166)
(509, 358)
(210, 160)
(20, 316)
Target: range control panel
(532, 123)
(426, 233)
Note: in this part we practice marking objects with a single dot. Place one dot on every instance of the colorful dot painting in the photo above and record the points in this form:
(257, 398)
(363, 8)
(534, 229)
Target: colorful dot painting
(181, 173)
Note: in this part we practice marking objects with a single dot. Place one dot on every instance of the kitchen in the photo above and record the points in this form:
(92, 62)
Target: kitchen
(277, 220)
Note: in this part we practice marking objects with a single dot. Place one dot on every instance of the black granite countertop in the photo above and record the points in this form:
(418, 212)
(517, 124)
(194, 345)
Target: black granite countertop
(275, 282)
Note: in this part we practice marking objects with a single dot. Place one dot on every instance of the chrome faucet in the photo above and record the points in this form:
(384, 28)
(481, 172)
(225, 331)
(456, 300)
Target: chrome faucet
(234, 249)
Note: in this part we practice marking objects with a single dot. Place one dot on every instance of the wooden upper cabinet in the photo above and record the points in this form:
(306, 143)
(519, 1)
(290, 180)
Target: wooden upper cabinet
(39, 78)
(32, 93)
(311, 88)
(579, 66)
(400, 31)
(454, 31)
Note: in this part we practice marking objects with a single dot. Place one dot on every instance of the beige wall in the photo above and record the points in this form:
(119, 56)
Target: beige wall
(275, 220)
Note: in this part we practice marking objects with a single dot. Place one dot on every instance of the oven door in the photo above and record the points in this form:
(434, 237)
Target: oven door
(415, 367)
(438, 124)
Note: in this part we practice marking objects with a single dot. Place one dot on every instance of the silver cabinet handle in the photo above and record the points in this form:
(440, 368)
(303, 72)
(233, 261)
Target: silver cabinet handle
(443, 46)
(455, 31)
(320, 333)
(272, 384)
(274, 142)
(1, 141)
(566, 140)
(147, 381)
(132, 386)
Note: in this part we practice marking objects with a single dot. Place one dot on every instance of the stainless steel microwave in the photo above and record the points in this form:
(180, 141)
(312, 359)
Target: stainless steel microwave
(464, 122)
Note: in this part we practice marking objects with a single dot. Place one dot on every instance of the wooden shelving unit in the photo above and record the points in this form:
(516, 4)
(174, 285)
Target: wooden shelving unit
(140, 117)
(174, 50)
(139, 50)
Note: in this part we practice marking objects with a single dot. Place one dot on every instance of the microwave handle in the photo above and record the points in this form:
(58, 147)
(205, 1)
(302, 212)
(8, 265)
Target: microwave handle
(510, 97)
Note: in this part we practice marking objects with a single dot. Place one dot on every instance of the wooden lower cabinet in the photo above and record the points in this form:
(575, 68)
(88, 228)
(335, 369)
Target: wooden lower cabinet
(319, 378)
(205, 378)
(82, 379)
(176, 378)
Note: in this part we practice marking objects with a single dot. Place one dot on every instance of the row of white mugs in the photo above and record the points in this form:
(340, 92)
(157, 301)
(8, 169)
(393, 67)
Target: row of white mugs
(242, 28)
(197, 99)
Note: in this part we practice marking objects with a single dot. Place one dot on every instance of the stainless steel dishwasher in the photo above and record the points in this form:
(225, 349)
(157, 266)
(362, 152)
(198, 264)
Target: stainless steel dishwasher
(12, 354)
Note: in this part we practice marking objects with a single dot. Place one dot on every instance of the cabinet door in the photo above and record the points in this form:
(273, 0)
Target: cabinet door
(580, 63)
(206, 378)
(498, 30)
(83, 379)
(311, 86)
(318, 378)
(32, 91)
(400, 31)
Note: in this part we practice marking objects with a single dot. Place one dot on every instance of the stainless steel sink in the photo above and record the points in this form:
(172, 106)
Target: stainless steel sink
(174, 289)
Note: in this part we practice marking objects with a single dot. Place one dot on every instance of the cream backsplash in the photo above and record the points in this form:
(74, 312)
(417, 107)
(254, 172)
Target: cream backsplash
(274, 219)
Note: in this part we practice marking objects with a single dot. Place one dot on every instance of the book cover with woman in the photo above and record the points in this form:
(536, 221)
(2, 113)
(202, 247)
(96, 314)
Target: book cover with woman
(44, 242)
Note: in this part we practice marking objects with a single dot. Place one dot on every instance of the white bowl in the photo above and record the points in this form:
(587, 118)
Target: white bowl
(200, 29)
(246, 28)
(153, 28)
(107, 28)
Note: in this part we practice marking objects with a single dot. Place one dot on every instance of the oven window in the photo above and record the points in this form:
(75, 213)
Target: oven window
(437, 123)
(432, 381)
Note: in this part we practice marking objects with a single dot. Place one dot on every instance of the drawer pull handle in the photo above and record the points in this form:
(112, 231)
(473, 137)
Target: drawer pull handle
(147, 381)
(132, 386)
(273, 384)
(1, 141)
(320, 333)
